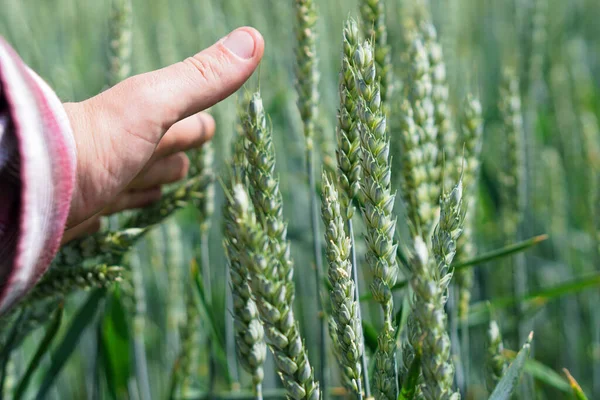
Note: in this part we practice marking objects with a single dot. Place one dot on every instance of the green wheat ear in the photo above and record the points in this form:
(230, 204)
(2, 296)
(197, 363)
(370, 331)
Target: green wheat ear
(249, 333)
(307, 73)
(345, 324)
(430, 280)
(274, 293)
(495, 364)
(373, 20)
(120, 41)
(471, 136)
(348, 135)
(378, 213)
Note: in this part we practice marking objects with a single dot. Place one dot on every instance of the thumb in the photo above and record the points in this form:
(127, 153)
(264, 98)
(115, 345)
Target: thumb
(170, 94)
(117, 131)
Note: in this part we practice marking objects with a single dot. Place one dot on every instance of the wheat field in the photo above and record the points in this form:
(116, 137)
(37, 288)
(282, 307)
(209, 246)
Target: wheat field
(403, 192)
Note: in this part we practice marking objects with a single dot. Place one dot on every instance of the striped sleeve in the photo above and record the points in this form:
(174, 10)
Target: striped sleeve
(37, 176)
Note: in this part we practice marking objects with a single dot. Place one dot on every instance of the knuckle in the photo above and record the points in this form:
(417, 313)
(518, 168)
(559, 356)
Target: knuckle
(206, 68)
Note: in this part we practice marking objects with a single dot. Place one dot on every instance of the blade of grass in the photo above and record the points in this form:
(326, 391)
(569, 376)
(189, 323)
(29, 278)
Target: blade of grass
(411, 381)
(577, 391)
(509, 381)
(546, 375)
(43, 347)
(543, 296)
(502, 252)
(81, 320)
(479, 260)
(542, 372)
(480, 312)
(116, 342)
(217, 337)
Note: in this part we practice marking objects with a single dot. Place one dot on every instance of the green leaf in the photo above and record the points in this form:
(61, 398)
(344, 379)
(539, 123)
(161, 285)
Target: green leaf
(116, 342)
(411, 381)
(512, 375)
(577, 391)
(543, 296)
(478, 261)
(43, 347)
(500, 253)
(82, 319)
(210, 320)
(546, 375)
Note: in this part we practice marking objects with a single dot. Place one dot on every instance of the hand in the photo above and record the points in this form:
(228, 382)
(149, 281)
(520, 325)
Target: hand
(130, 139)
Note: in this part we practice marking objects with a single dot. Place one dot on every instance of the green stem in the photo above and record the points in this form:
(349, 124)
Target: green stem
(363, 357)
(205, 268)
(230, 334)
(139, 347)
(314, 208)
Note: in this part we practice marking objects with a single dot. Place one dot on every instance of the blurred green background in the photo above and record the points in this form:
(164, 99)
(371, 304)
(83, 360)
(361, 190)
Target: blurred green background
(67, 41)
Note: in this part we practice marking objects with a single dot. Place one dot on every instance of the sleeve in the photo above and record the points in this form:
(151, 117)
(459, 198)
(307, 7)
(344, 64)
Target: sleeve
(37, 176)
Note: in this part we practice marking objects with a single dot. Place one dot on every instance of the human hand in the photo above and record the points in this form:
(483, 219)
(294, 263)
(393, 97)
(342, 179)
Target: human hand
(130, 139)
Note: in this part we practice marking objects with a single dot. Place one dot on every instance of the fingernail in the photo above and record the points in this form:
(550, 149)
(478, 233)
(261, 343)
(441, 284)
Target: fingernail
(241, 43)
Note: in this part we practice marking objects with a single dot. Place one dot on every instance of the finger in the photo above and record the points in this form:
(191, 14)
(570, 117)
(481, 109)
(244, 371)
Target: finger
(87, 227)
(167, 170)
(186, 134)
(131, 199)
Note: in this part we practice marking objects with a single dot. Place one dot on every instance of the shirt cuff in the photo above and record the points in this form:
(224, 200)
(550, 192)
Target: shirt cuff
(37, 176)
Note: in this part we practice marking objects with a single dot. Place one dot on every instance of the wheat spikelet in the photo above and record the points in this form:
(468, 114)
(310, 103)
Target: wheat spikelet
(249, 333)
(471, 135)
(419, 143)
(264, 186)
(496, 363)
(510, 108)
(373, 19)
(59, 282)
(448, 159)
(307, 74)
(120, 41)
(346, 324)
(430, 280)
(377, 212)
(274, 293)
(348, 136)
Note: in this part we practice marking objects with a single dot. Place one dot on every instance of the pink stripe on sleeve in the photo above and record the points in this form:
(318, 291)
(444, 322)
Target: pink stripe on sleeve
(37, 175)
